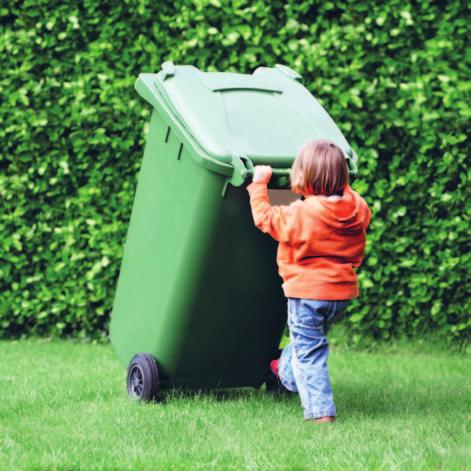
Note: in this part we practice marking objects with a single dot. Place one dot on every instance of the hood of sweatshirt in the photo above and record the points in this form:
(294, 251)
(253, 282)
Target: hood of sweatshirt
(346, 213)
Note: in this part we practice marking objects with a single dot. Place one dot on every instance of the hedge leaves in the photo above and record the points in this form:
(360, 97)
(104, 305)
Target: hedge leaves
(394, 75)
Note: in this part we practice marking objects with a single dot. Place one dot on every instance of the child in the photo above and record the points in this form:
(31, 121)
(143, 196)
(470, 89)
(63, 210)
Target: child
(321, 241)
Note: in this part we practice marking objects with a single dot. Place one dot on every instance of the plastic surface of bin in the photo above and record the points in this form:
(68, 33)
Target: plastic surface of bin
(198, 287)
(264, 117)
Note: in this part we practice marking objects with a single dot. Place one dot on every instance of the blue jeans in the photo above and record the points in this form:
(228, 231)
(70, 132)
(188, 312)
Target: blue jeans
(303, 363)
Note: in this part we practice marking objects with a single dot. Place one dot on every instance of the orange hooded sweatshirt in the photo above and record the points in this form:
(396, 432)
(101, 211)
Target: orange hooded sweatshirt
(321, 241)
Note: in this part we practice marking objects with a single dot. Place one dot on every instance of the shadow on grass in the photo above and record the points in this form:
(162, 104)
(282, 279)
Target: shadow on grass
(377, 399)
(223, 395)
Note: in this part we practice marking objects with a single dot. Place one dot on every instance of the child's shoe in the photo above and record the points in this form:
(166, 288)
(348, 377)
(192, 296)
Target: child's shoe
(274, 367)
(272, 382)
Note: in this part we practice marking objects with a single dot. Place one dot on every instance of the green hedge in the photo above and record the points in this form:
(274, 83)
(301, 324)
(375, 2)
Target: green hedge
(393, 75)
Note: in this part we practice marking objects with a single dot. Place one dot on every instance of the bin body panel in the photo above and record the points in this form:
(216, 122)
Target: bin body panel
(238, 311)
(198, 287)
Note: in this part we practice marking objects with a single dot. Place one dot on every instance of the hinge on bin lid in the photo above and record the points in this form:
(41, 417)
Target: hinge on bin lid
(288, 71)
(243, 167)
(351, 159)
(168, 69)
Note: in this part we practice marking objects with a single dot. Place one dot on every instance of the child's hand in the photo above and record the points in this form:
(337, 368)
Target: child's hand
(262, 174)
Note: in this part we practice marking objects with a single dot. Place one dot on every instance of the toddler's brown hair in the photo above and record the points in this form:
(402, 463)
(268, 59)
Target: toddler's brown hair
(320, 168)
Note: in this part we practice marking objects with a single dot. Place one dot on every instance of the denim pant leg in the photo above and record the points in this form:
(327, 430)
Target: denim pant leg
(285, 370)
(303, 363)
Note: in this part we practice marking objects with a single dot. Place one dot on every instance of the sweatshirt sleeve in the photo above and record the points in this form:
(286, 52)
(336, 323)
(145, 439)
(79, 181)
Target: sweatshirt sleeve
(278, 221)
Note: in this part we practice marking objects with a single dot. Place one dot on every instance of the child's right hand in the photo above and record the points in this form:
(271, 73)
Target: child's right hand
(262, 174)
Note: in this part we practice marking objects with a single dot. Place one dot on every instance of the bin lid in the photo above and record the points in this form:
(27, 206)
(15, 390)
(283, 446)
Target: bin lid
(266, 116)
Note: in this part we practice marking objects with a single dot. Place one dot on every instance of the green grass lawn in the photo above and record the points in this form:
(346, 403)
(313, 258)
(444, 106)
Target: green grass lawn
(64, 406)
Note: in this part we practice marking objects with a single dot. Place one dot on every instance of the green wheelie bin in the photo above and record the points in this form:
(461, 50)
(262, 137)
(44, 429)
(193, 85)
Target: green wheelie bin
(199, 302)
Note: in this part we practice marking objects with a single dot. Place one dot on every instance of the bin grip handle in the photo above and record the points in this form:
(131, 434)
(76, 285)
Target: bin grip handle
(285, 172)
(168, 69)
(244, 169)
(276, 172)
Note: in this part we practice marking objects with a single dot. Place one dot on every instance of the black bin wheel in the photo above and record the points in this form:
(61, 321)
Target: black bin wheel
(143, 378)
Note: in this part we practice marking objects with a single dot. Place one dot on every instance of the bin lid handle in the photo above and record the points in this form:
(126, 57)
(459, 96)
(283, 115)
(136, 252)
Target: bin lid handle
(168, 69)
(288, 71)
